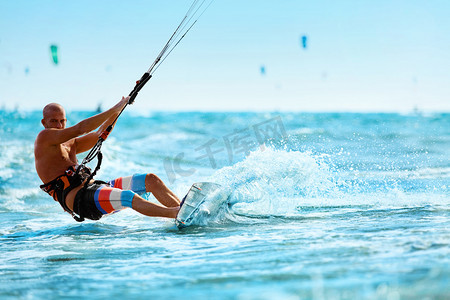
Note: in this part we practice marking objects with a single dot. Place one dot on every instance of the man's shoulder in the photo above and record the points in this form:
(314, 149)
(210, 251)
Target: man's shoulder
(46, 131)
(44, 135)
(49, 137)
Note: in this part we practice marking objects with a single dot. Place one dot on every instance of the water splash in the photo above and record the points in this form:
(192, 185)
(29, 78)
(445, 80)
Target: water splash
(288, 183)
(275, 181)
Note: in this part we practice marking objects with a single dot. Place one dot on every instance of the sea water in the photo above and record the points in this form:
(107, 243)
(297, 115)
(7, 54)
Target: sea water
(325, 206)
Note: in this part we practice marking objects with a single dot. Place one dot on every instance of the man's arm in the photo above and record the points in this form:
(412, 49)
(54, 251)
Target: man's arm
(86, 142)
(59, 136)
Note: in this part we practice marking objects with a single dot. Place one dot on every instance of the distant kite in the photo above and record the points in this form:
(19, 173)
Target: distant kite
(304, 40)
(54, 52)
(263, 70)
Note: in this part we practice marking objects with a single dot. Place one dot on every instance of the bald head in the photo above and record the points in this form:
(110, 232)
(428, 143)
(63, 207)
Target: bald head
(52, 107)
(54, 116)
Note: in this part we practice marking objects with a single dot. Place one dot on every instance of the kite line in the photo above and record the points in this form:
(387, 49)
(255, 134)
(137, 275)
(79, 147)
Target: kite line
(195, 11)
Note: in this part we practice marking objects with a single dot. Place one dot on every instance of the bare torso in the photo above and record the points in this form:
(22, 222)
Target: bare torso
(52, 161)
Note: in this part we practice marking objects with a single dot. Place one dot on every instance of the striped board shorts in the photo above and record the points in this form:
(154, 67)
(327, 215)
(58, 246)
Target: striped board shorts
(118, 194)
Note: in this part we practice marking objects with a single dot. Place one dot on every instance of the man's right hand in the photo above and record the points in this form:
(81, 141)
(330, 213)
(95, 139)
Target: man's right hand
(121, 104)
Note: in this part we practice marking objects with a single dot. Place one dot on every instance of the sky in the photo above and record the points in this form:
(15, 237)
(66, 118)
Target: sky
(360, 56)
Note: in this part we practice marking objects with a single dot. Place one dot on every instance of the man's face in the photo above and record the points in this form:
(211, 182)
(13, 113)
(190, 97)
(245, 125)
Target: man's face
(55, 119)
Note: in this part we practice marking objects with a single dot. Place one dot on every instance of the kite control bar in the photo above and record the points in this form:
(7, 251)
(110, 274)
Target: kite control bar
(139, 85)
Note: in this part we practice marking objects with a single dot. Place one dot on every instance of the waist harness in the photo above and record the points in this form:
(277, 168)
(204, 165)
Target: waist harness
(59, 187)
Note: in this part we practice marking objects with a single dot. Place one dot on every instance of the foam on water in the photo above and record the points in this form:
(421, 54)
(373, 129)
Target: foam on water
(282, 183)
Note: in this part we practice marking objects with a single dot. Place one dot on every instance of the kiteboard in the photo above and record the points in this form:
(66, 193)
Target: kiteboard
(203, 200)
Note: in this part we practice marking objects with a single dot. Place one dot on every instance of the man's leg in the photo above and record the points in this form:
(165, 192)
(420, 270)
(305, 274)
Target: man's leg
(142, 183)
(166, 197)
(153, 210)
(108, 200)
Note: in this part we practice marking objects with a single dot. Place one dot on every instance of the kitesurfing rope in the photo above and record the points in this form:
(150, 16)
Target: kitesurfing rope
(195, 11)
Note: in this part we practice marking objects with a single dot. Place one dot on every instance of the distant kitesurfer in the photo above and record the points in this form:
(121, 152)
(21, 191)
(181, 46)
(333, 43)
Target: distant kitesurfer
(55, 151)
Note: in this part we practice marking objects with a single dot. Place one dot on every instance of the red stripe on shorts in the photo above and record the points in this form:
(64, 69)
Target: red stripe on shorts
(118, 183)
(103, 199)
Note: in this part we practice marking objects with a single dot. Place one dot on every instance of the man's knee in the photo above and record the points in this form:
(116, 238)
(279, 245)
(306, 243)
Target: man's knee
(152, 180)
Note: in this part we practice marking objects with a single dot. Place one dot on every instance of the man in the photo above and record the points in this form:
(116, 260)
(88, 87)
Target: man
(55, 151)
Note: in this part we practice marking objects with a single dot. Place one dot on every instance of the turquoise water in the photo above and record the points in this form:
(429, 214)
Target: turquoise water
(325, 206)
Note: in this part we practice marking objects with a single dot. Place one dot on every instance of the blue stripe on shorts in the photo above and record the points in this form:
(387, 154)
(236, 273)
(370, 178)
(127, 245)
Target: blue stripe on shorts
(138, 183)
